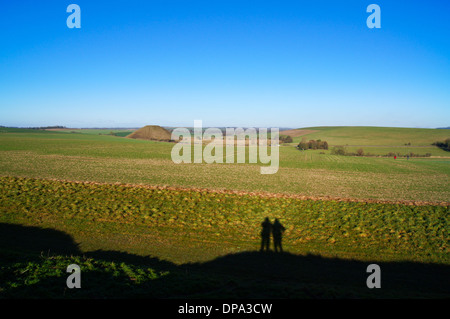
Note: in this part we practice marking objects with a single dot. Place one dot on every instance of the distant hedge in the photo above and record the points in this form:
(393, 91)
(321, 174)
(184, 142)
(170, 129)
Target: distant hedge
(313, 145)
(443, 145)
(342, 150)
(285, 139)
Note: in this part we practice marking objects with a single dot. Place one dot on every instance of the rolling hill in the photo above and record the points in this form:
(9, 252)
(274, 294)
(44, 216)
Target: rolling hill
(151, 132)
(369, 136)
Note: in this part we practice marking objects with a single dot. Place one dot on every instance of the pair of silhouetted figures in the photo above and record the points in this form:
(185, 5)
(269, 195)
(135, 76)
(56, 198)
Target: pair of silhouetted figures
(276, 230)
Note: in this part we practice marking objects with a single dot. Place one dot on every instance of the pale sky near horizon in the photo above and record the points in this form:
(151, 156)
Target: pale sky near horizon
(228, 63)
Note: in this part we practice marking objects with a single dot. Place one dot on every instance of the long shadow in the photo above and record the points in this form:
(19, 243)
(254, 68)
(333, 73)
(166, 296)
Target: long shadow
(243, 275)
(30, 240)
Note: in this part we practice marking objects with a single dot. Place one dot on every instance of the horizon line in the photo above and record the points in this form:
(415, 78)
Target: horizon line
(224, 126)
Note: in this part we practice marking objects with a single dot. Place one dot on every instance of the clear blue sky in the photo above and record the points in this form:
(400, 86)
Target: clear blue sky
(228, 63)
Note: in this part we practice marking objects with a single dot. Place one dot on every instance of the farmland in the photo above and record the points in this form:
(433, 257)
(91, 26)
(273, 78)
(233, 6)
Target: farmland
(375, 136)
(103, 158)
(189, 228)
(123, 211)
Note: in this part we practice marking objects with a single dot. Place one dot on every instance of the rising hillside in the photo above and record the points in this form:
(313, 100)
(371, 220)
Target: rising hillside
(297, 132)
(151, 132)
(365, 135)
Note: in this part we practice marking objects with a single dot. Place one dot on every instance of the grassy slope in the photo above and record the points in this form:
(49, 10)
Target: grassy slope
(151, 132)
(168, 243)
(380, 140)
(376, 136)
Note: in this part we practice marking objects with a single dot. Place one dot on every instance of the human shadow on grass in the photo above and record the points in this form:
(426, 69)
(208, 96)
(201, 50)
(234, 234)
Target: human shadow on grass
(113, 274)
(269, 230)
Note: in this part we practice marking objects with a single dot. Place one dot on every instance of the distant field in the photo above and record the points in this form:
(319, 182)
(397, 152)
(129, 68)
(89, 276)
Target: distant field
(401, 150)
(131, 218)
(117, 132)
(104, 158)
(375, 136)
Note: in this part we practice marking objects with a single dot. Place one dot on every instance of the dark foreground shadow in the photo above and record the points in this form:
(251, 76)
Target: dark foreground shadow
(112, 274)
(28, 240)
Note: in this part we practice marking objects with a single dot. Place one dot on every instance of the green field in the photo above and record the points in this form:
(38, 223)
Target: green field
(380, 141)
(104, 158)
(144, 234)
(123, 211)
(375, 136)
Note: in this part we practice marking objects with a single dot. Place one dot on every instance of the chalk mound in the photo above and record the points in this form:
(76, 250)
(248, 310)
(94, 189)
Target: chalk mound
(152, 133)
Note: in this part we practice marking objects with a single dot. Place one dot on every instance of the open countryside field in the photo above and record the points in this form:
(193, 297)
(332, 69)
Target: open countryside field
(111, 159)
(375, 136)
(376, 141)
(157, 242)
(123, 211)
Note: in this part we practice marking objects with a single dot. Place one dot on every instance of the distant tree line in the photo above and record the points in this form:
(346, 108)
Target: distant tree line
(48, 127)
(313, 145)
(285, 139)
(410, 154)
(445, 145)
(339, 150)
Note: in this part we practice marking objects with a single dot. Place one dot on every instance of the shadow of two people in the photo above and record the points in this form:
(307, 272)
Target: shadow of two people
(276, 230)
(244, 274)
